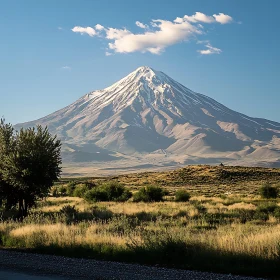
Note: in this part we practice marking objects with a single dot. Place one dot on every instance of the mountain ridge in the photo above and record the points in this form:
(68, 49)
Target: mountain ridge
(147, 112)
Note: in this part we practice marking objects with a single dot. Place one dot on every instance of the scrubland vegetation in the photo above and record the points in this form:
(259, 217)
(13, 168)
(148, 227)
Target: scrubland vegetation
(156, 224)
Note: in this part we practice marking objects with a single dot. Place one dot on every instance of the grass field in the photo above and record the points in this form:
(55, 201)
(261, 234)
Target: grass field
(225, 226)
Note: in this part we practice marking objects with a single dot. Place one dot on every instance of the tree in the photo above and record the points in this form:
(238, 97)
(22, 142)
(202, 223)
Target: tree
(182, 196)
(149, 194)
(7, 145)
(267, 191)
(29, 165)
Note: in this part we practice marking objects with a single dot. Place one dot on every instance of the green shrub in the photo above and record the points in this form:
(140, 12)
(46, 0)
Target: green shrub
(182, 196)
(62, 190)
(80, 190)
(262, 216)
(276, 213)
(125, 196)
(70, 188)
(101, 213)
(162, 247)
(96, 194)
(267, 208)
(144, 216)
(54, 191)
(270, 208)
(69, 212)
(112, 191)
(244, 215)
(149, 194)
(268, 191)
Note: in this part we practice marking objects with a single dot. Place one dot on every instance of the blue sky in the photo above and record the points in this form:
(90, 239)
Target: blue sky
(232, 57)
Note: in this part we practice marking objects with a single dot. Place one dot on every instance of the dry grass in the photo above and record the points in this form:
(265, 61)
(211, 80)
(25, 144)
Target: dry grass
(65, 235)
(250, 239)
(54, 204)
(206, 180)
(242, 205)
(223, 217)
(179, 218)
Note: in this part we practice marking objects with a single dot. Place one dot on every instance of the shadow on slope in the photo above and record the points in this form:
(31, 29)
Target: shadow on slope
(85, 153)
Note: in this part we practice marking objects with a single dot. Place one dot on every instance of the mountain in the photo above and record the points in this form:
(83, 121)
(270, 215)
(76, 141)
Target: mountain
(149, 119)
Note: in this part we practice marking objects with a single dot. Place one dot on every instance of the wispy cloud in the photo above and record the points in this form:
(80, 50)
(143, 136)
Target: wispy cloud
(66, 67)
(59, 28)
(222, 18)
(99, 27)
(141, 25)
(157, 35)
(197, 17)
(84, 30)
(210, 50)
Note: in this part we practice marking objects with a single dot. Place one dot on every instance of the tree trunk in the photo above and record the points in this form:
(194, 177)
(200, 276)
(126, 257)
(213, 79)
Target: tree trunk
(25, 208)
(22, 208)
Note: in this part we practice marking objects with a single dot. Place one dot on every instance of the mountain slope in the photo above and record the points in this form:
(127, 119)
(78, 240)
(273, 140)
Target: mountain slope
(148, 112)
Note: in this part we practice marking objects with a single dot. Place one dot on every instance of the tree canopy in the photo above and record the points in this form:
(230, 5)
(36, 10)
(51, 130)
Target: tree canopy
(29, 164)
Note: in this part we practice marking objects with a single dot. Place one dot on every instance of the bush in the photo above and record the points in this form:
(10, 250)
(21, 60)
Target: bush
(62, 190)
(54, 192)
(69, 212)
(70, 188)
(268, 191)
(267, 208)
(163, 247)
(244, 215)
(125, 196)
(262, 216)
(182, 196)
(101, 213)
(80, 190)
(112, 191)
(276, 213)
(96, 194)
(149, 194)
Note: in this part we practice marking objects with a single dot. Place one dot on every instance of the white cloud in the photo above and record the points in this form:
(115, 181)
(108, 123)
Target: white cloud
(167, 33)
(178, 20)
(199, 17)
(66, 67)
(114, 33)
(99, 27)
(84, 30)
(59, 28)
(222, 18)
(141, 25)
(210, 50)
(156, 36)
(108, 53)
(203, 42)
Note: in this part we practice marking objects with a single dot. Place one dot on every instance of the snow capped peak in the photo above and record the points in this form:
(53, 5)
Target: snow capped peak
(143, 68)
(148, 73)
(142, 75)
